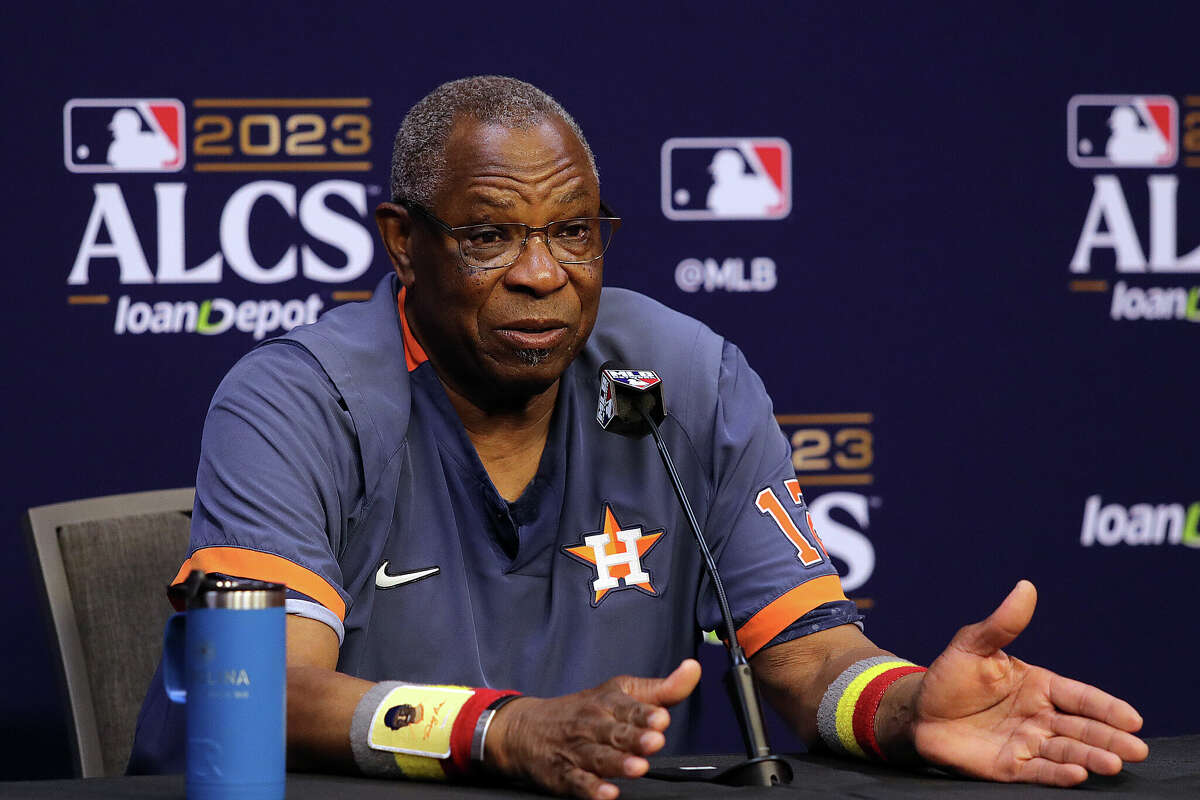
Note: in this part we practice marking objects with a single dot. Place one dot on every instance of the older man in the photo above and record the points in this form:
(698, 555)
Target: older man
(424, 472)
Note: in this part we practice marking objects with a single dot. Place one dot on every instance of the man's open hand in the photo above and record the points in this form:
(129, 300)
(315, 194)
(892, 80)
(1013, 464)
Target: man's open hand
(570, 744)
(986, 714)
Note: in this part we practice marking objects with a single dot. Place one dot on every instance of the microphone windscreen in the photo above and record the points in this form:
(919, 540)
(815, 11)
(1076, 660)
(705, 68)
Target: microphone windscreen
(624, 394)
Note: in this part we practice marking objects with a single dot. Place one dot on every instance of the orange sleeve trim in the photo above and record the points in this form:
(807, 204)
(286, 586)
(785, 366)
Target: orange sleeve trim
(253, 564)
(786, 609)
(414, 354)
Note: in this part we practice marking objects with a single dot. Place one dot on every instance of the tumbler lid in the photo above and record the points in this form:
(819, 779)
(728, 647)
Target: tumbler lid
(217, 590)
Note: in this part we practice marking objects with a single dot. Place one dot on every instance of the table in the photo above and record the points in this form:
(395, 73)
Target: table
(1173, 770)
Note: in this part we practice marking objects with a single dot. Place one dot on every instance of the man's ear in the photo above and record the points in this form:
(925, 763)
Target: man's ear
(395, 229)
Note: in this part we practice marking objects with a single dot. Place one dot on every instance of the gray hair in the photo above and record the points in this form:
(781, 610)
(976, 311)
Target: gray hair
(419, 152)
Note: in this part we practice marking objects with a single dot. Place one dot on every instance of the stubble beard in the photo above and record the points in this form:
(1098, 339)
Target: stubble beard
(531, 357)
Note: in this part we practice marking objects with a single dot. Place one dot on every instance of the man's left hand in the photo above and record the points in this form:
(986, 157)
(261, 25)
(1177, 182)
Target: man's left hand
(984, 713)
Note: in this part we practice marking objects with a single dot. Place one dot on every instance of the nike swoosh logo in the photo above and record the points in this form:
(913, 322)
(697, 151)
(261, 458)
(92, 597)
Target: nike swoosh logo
(385, 581)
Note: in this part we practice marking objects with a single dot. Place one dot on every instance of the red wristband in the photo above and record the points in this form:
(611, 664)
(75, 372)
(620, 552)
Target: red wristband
(459, 763)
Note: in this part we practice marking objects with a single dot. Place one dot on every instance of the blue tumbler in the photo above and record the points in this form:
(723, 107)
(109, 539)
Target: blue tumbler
(226, 658)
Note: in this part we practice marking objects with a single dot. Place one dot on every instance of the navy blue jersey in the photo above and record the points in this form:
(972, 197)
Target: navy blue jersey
(333, 461)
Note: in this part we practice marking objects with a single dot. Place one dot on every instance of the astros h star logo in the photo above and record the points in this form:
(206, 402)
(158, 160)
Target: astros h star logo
(615, 554)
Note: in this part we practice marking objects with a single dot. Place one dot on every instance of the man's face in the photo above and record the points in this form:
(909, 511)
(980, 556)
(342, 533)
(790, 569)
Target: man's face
(502, 334)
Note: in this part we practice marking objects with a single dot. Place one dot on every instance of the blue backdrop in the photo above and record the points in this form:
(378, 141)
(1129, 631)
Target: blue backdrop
(971, 288)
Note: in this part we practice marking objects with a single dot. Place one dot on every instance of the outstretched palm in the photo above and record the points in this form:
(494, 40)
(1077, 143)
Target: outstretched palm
(986, 714)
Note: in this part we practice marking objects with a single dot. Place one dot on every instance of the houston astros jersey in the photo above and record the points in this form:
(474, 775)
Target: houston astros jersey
(332, 461)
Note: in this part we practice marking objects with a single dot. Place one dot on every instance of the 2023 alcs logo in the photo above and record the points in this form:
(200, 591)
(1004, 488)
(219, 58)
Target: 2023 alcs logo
(267, 232)
(1139, 133)
(832, 453)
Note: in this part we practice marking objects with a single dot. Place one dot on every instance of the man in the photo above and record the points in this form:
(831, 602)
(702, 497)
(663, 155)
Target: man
(403, 715)
(424, 467)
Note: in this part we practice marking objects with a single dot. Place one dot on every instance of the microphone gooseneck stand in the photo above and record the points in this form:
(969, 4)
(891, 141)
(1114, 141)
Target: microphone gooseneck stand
(761, 767)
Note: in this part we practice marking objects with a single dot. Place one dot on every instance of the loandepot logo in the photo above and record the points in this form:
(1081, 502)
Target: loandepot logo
(1139, 524)
(1155, 302)
(211, 317)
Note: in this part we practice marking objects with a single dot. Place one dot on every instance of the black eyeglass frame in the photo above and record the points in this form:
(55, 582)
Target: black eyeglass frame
(453, 230)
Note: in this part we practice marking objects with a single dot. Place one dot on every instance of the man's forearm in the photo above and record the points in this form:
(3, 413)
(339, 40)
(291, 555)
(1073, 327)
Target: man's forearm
(795, 676)
(320, 706)
(566, 744)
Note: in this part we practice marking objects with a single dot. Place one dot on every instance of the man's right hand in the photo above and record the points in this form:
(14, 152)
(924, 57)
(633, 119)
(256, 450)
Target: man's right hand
(570, 744)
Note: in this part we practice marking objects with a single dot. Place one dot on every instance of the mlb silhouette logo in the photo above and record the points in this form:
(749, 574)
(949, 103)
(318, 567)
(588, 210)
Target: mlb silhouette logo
(726, 178)
(130, 135)
(1122, 130)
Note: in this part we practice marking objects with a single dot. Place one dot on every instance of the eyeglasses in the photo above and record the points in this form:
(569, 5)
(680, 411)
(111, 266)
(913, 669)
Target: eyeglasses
(494, 245)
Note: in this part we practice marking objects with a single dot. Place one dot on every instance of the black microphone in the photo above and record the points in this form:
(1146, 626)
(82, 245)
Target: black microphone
(631, 404)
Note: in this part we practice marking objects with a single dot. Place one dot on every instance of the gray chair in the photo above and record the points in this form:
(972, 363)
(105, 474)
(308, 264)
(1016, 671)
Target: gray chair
(105, 563)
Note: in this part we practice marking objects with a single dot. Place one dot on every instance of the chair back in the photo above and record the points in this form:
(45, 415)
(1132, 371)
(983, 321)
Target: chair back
(105, 563)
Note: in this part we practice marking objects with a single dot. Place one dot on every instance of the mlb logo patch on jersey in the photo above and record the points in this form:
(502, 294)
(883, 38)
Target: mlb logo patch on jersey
(1122, 130)
(129, 135)
(726, 178)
